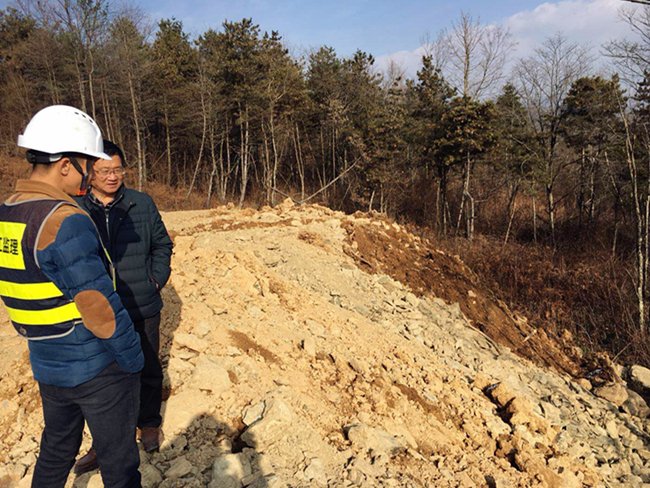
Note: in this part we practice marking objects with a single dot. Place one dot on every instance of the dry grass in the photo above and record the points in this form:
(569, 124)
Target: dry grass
(167, 198)
(11, 169)
(589, 294)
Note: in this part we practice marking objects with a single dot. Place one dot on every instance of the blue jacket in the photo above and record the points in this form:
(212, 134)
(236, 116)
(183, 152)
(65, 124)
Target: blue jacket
(137, 241)
(70, 255)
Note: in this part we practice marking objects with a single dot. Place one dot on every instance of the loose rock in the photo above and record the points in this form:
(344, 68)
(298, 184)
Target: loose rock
(229, 470)
(613, 392)
(210, 377)
(376, 440)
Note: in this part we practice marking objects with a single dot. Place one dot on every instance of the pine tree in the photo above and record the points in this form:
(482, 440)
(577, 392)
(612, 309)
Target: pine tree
(590, 126)
(468, 134)
(512, 152)
(174, 70)
(430, 97)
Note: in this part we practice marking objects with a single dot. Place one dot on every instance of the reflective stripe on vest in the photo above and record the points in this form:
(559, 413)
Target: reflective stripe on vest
(38, 309)
(29, 291)
(52, 316)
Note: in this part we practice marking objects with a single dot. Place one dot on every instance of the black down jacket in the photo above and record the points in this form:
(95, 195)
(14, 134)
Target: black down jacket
(139, 245)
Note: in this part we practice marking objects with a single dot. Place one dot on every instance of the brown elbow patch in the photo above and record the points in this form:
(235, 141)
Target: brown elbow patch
(96, 313)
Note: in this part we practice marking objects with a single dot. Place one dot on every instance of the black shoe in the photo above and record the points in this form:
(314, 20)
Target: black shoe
(86, 463)
(151, 438)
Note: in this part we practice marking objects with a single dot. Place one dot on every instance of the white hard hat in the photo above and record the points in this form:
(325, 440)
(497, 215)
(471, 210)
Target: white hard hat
(61, 129)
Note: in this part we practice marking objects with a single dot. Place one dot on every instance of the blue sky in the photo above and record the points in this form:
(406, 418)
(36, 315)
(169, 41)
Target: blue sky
(379, 27)
(393, 29)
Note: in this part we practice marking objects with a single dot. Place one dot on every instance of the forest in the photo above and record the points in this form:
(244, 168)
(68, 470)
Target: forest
(535, 171)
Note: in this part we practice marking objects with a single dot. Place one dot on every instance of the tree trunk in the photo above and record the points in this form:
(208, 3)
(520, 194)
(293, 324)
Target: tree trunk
(266, 166)
(534, 221)
(168, 141)
(107, 112)
(244, 155)
(333, 153)
(581, 192)
(299, 161)
(646, 250)
(470, 217)
(214, 167)
(51, 75)
(512, 209)
(641, 267)
(467, 172)
(437, 217)
(198, 160)
(550, 200)
(615, 236)
(276, 162)
(442, 187)
(641, 233)
(618, 204)
(138, 137)
(225, 172)
(592, 190)
(81, 87)
(511, 200)
(91, 84)
(323, 154)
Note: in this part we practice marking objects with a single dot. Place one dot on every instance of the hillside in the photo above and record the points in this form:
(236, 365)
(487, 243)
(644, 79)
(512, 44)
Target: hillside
(303, 347)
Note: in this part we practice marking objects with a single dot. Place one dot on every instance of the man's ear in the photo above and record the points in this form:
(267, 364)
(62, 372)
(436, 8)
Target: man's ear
(64, 166)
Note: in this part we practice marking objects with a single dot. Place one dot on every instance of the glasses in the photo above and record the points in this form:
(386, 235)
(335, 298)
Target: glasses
(104, 172)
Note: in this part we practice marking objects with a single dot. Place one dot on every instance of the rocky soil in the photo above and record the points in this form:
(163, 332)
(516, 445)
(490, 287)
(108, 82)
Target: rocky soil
(307, 348)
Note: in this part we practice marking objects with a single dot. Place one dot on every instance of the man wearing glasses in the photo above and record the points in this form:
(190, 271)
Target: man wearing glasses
(140, 247)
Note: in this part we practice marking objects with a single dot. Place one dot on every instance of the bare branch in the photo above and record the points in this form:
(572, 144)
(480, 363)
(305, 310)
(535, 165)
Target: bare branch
(437, 49)
(304, 200)
(477, 55)
(632, 58)
(393, 74)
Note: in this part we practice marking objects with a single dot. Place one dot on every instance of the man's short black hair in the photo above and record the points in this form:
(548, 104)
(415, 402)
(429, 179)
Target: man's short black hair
(113, 149)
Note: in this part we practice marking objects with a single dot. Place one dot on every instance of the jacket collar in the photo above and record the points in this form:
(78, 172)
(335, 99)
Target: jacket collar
(40, 189)
(119, 194)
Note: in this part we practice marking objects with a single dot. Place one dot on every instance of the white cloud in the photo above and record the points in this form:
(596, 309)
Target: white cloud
(592, 22)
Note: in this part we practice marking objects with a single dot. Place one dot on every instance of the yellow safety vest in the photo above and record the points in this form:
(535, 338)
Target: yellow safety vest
(36, 306)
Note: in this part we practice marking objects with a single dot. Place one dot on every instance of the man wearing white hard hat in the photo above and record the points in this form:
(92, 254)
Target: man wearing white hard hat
(57, 282)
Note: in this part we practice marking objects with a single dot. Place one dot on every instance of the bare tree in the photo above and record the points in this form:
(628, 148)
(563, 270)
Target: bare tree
(393, 75)
(84, 25)
(85, 22)
(477, 56)
(128, 56)
(640, 197)
(206, 111)
(437, 49)
(544, 80)
(632, 58)
(47, 53)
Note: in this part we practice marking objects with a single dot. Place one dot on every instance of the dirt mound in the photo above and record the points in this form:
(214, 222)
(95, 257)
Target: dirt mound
(417, 264)
(306, 348)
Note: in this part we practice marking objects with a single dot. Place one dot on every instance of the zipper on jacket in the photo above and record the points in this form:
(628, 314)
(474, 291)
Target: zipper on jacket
(108, 229)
